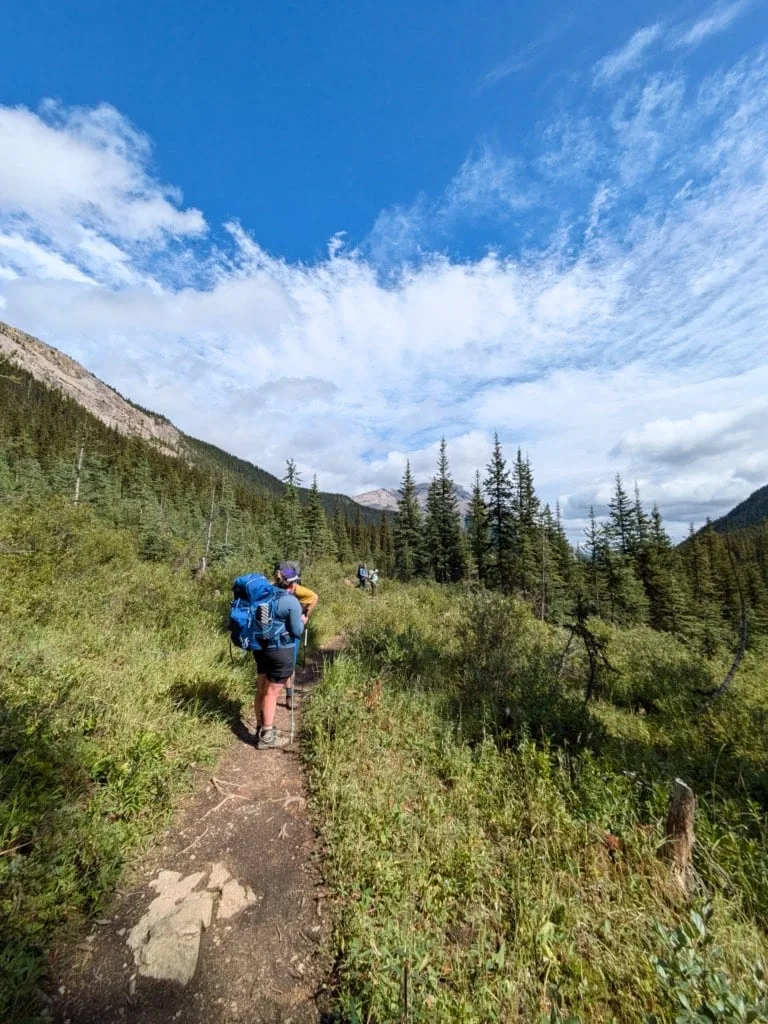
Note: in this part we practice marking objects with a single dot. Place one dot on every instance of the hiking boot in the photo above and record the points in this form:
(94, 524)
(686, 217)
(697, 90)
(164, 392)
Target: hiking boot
(269, 739)
(289, 698)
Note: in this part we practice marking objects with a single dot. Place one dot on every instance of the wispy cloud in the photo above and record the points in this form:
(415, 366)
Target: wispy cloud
(613, 67)
(630, 336)
(526, 55)
(718, 20)
(489, 184)
(511, 66)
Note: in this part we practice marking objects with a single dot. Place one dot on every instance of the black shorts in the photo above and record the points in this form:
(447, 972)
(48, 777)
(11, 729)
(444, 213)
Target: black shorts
(276, 663)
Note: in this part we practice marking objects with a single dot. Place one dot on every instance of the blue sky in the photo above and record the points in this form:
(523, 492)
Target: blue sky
(399, 222)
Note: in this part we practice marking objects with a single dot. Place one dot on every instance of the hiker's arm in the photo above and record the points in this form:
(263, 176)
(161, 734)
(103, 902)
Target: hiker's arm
(295, 619)
(309, 606)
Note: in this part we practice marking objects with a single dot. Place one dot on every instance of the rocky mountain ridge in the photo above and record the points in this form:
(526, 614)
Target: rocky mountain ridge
(57, 370)
(386, 498)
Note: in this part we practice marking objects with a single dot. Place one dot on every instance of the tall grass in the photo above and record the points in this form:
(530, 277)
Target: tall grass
(492, 841)
(115, 682)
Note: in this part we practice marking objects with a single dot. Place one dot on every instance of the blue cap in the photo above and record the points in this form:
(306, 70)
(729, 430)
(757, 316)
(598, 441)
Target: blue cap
(288, 572)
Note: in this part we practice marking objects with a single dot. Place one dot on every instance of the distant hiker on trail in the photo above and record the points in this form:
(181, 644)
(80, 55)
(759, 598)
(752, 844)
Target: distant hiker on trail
(362, 575)
(308, 600)
(373, 579)
(275, 665)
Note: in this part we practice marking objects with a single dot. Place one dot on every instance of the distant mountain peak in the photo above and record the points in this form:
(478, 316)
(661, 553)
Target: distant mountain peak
(386, 498)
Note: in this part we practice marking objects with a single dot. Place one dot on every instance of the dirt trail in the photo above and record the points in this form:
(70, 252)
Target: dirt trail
(232, 897)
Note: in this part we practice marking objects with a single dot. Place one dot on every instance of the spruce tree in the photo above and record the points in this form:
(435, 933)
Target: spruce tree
(528, 546)
(386, 546)
(359, 538)
(621, 518)
(478, 531)
(409, 531)
(555, 596)
(640, 525)
(321, 542)
(444, 546)
(595, 548)
(294, 538)
(501, 524)
(340, 532)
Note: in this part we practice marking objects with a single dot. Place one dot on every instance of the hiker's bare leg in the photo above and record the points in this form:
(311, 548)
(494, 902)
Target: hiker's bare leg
(269, 704)
(260, 690)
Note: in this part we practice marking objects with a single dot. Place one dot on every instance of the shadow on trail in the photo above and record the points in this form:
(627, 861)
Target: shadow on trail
(205, 699)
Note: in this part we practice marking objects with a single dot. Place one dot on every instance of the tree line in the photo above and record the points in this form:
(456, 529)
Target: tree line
(625, 569)
(203, 506)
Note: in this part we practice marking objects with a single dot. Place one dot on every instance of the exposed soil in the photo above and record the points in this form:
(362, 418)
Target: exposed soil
(260, 958)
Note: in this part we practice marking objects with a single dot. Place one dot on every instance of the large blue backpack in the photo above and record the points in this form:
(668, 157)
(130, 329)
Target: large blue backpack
(252, 621)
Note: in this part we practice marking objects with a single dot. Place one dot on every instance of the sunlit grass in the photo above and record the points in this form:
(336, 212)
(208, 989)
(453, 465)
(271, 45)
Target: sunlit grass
(481, 874)
(115, 682)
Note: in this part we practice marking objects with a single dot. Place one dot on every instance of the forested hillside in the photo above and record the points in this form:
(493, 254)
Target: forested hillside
(50, 445)
(753, 511)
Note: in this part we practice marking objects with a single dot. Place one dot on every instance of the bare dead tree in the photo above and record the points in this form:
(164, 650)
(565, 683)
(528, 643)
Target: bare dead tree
(204, 560)
(680, 835)
(593, 645)
(79, 472)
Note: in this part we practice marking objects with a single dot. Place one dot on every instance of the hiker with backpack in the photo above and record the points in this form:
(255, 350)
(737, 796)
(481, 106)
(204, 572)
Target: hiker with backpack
(276, 666)
(267, 619)
(362, 575)
(373, 579)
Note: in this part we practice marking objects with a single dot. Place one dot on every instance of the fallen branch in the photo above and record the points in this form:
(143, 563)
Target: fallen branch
(18, 846)
(230, 796)
(194, 842)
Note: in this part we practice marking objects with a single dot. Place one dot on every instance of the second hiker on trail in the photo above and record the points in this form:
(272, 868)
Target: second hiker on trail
(373, 580)
(308, 600)
(275, 665)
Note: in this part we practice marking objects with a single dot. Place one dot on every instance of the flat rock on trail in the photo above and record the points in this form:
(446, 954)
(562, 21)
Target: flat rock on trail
(225, 920)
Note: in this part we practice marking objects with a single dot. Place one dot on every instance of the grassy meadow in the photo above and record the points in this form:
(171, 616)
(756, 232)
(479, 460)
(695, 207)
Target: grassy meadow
(490, 840)
(116, 683)
(493, 842)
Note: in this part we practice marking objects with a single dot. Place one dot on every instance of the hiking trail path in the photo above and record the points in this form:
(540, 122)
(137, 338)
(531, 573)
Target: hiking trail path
(229, 903)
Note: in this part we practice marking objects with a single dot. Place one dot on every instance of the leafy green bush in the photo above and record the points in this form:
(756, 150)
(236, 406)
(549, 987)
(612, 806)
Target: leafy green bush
(696, 983)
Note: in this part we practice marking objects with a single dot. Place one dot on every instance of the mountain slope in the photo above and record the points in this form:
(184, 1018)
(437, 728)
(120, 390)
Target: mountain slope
(750, 512)
(57, 371)
(386, 498)
(383, 498)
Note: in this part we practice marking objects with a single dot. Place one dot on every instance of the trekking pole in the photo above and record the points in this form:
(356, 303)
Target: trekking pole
(293, 702)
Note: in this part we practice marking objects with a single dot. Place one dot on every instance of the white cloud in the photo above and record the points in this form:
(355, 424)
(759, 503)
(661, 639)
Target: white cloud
(632, 339)
(487, 183)
(76, 182)
(719, 20)
(613, 67)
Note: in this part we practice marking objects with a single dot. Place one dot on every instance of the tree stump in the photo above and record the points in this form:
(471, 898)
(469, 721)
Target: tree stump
(680, 837)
